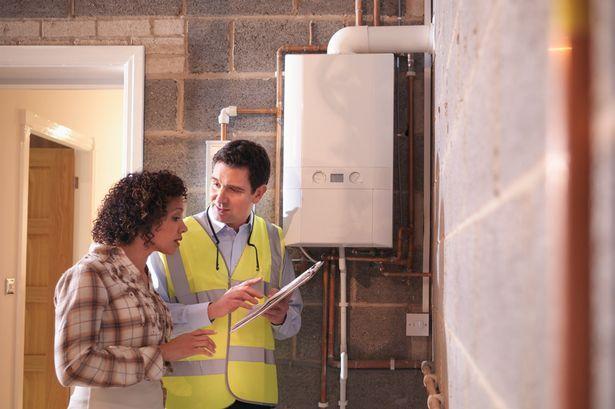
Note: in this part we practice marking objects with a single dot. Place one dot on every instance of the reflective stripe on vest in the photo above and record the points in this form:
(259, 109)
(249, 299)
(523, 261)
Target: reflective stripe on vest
(248, 372)
(218, 366)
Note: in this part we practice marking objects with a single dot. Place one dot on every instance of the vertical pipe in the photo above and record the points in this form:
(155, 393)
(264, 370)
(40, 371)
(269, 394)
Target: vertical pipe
(323, 346)
(358, 12)
(343, 345)
(428, 185)
(410, 114)
(556, 176)
(427, 166)
(331, 316)
(278, 136)
(576, 286)
(376, 12)
(223, 132)
(427, 143)
(568, 177)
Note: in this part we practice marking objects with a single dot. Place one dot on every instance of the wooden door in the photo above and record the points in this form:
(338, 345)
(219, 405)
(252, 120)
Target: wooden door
(49, 254)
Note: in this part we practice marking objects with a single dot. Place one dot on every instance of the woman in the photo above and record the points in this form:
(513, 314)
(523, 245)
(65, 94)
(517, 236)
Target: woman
(112, 330)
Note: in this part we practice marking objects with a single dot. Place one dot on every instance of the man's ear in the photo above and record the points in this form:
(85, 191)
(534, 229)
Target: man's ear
(259, 193)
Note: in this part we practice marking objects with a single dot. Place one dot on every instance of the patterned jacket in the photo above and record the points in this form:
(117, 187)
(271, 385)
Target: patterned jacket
(109, 322)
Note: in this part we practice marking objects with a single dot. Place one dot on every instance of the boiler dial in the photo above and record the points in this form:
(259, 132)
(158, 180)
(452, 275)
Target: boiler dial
(355, 177)
(319, 177)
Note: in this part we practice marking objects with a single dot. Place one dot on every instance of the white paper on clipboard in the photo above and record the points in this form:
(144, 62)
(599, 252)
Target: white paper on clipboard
(280, 295)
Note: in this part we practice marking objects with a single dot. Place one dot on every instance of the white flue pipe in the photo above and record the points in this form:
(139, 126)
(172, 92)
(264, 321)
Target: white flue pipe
(382, 39)
(343, 341)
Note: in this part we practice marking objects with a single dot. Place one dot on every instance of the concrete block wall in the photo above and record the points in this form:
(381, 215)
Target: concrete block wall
(492, 299)
(603, 198)
(205, 55)
(494, 305)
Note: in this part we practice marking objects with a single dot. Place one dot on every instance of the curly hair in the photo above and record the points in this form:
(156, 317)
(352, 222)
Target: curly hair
(136, 206)
(242, 153)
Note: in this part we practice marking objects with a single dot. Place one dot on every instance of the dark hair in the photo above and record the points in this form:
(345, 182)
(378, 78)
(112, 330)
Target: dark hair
(242, 153)
(136, 206)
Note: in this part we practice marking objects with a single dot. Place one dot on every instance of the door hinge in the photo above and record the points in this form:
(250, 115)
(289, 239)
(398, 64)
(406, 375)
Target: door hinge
(76, 183)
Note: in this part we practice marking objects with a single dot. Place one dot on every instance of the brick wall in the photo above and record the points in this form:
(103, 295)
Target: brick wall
(205, 55)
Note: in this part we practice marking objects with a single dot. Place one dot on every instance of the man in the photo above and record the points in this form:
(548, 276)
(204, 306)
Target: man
(227, 260)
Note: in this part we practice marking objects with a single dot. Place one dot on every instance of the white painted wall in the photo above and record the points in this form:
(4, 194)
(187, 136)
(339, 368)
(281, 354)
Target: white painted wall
(93, 113)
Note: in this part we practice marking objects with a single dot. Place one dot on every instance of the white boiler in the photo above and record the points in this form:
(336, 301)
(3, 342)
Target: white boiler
(338, 150)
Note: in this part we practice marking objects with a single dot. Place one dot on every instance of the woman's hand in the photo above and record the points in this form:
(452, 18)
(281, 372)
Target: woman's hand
(193, 343)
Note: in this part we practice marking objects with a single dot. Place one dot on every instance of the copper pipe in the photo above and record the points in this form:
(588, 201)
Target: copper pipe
(256, 111)
(285, 49)
(405, 274)
(323, 345)
(245, 111)
(576, 372)
(223, 132)
(376, 12)
(331, 314)
(410, 115)
(358, 13)
(398, 259)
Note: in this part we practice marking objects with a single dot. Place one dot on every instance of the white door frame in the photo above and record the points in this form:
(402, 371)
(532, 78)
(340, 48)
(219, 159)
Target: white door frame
(32, 124)
(100, 65)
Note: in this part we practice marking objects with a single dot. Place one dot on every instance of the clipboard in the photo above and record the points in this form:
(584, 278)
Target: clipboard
(280, 295)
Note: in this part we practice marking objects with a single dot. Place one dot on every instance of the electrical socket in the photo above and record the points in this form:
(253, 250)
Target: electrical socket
(417, 325)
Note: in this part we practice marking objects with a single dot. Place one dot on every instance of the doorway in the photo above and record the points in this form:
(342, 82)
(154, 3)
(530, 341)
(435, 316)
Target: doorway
(55, 68)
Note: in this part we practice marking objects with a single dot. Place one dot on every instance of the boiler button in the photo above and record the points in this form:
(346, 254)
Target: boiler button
(319, 177)
(355, 177)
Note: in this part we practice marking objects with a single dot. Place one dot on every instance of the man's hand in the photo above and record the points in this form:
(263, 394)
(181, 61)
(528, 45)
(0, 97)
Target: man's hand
(277, 314)
(193, 343)
(241, 295)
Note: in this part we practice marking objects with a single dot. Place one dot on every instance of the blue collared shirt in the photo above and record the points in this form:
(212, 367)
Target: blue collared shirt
(187, 318)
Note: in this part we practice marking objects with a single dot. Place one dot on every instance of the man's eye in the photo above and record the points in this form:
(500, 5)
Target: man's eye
(176, 218)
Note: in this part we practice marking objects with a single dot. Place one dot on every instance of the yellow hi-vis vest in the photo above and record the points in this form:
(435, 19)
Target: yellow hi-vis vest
(243, 366)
